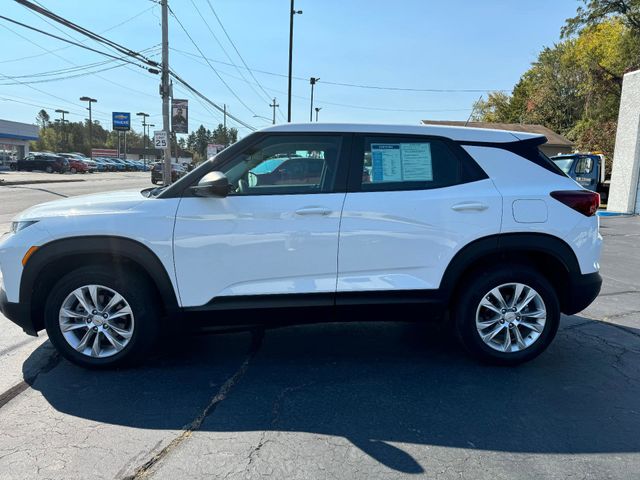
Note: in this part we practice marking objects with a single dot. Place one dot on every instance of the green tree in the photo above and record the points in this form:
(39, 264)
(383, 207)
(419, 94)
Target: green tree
(42, 119)
(595, 12)
(574, 86)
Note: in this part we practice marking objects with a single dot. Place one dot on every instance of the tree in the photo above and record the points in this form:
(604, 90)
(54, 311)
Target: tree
(596, 12)
(42, 119)
(574, 86)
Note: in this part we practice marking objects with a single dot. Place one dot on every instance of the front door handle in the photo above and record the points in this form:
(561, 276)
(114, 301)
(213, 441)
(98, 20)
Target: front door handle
(313, 211)
(470, 206)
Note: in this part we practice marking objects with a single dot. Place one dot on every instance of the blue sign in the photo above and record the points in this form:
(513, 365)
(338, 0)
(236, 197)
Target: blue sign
(122, 121)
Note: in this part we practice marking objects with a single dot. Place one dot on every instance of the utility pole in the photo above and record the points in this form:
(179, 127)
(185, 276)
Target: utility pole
(292, 12)
(90, 100)
(165, 89)
(274, 105)
(224, 118)
(312, 81)
(317, 109)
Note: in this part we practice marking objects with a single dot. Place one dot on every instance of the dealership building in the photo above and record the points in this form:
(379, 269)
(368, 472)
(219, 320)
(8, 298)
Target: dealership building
(14, 139)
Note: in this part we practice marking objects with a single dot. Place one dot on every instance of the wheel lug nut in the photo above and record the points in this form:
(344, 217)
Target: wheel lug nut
(105, 326)
(104, 315)
(94, 312)
(504, 311)
(95, 329)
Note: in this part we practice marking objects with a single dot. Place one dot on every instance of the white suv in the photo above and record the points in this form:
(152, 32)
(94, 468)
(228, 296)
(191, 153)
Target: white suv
(473, 225)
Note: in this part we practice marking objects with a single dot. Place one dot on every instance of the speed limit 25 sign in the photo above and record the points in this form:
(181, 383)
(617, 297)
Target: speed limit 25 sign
(160, 139)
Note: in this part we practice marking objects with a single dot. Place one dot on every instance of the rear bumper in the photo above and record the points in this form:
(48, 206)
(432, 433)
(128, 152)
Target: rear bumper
(18, 313)
(582, 291)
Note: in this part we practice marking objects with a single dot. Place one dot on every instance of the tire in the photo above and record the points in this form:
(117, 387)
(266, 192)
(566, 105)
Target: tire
(48, 169)
(135, 333)
(73, 170)
(477, 290)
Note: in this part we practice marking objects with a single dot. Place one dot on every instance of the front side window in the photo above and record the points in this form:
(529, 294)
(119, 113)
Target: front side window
(285, 165)
(395, 163)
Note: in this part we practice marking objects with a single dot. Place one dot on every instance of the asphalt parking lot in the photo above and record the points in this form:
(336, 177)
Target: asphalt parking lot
(343, 401)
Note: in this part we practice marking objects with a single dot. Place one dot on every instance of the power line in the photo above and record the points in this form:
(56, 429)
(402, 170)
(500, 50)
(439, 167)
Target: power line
(67, 77)
(64, 48)
(215, 37)
(72, 63)
(87, 33)
(67, 41)
(210, 102)
(353, 85)
(267, 94)
(208, 63)
(346, 105)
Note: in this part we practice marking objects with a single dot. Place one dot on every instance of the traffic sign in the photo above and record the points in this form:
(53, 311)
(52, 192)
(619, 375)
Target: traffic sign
(160, 139)
(121, 121)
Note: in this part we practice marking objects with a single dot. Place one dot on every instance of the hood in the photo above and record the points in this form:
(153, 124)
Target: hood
(95, 204)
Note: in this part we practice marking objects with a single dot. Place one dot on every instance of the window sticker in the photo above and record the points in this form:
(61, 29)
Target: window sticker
(397, 162)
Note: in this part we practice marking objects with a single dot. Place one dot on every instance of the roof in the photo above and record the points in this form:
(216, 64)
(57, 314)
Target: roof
(459, 133)
(18, 131)
(553, 138)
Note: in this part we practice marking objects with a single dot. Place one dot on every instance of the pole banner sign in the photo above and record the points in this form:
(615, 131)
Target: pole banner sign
(121, 121)
(179, 116)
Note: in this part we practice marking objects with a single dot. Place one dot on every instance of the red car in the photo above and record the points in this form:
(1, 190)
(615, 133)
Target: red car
(77, 166)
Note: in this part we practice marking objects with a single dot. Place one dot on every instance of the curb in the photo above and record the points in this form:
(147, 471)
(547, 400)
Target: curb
(4, 182)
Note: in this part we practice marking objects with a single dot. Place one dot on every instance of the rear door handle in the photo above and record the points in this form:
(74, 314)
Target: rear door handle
(313, 211)
(470, 206)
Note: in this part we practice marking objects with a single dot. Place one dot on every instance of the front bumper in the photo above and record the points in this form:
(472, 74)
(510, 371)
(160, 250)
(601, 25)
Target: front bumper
(18, 313)
(582, 291)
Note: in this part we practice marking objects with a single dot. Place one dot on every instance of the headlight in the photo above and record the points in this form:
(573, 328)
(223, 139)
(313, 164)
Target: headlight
(17, 226)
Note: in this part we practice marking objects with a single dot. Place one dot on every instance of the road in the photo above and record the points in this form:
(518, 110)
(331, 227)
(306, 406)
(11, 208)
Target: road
(343, 401)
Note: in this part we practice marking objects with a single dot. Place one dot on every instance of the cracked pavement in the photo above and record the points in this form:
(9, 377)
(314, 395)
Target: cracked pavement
(340, 401)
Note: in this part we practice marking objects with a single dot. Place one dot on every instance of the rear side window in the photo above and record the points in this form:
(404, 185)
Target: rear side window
(407, 163)
(584, 165)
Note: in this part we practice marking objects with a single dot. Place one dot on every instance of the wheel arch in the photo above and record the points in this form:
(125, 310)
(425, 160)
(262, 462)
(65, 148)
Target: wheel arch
(58, 257)
(548, 254)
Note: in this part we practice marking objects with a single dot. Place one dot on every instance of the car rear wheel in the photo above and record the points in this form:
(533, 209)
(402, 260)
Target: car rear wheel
(98, 319)
(507, 315)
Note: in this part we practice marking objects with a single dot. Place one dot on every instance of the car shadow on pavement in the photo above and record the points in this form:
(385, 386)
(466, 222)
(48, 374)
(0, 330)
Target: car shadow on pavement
(382, 386)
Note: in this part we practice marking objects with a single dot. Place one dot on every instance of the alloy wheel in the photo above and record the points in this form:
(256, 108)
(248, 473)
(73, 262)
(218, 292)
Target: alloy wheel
(96, 321)
(511, 317)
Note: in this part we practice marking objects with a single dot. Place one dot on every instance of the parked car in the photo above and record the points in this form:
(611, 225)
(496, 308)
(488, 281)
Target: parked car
(112, 165)
(476, 227)
(125, 167)
(588, 169)
(46, 162)
(177, 171)
(89, 165)
(101, 165)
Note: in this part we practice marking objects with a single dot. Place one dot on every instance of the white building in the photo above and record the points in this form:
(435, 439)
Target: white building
(14, 139)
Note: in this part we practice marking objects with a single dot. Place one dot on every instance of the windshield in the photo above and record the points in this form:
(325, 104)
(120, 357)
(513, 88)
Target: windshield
(268, 166)
(564, 164)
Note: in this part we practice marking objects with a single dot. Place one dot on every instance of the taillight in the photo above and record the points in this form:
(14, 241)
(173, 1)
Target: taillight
(584, 201)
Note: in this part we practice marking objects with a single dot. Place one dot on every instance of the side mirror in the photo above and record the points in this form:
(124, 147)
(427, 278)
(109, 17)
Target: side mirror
(213, 184)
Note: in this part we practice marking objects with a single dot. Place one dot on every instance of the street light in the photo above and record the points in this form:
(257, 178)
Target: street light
(90, 100)
(292, 12)
(144, 136)
(317, 111)
(62, 122)
(312, 81)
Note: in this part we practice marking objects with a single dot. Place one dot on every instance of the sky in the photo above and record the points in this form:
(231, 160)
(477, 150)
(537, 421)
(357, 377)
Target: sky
(453, 45)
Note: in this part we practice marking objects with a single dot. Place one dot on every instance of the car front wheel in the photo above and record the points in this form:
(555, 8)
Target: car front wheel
(98, 319)
(507, 315)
